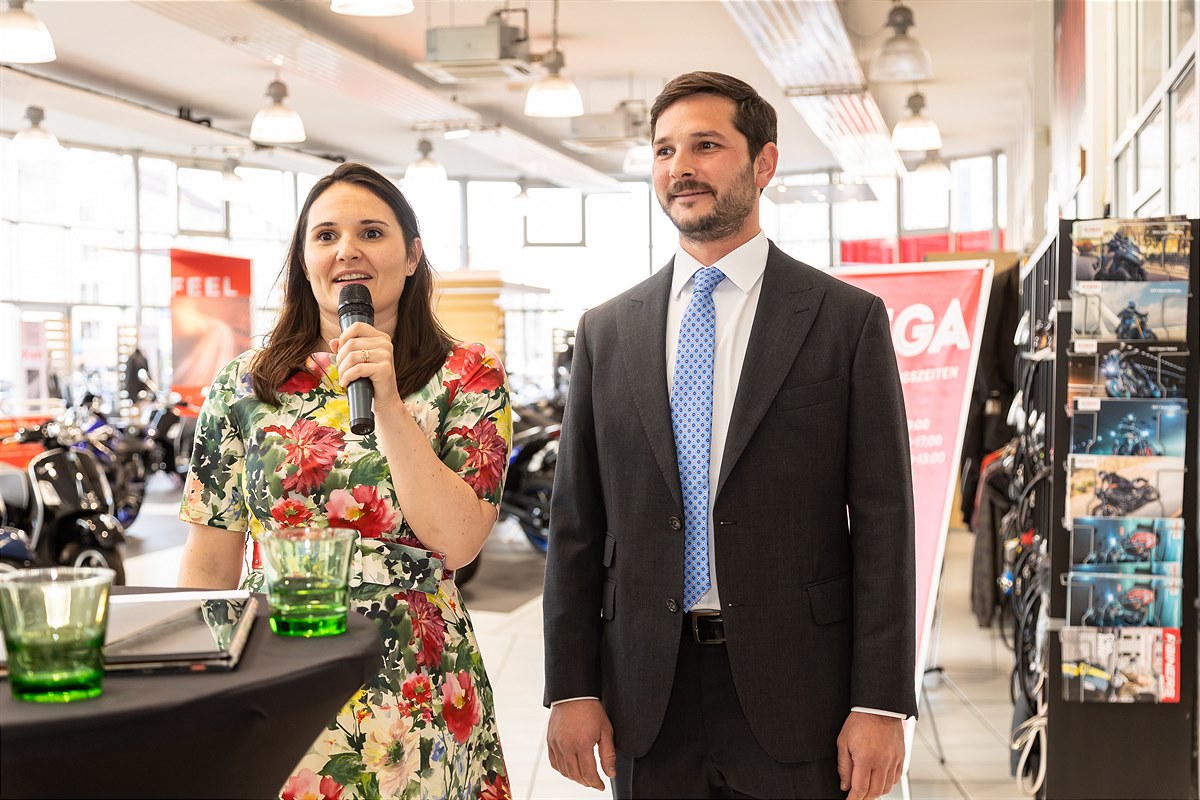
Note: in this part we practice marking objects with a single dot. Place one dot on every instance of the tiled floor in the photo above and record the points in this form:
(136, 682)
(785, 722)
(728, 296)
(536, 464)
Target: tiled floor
(972, 728)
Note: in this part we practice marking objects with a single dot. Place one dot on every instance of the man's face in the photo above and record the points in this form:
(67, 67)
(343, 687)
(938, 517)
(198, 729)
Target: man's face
(704, 177)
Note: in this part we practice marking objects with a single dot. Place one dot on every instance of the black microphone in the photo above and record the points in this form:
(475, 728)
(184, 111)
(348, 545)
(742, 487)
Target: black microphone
(354, 305)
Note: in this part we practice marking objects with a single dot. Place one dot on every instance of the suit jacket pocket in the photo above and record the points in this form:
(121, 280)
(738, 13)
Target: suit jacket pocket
(831, 599)
(608, 606)
(610, 546)
(811, 394)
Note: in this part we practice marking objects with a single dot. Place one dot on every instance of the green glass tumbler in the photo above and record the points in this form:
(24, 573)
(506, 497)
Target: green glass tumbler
(54, 624)
(307, 573)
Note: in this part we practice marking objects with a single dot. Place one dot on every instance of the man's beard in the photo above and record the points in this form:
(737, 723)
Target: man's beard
(730, 209)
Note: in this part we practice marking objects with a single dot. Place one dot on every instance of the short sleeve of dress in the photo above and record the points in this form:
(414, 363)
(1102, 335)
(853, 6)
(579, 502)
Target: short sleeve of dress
(213, 492)
(477, 433)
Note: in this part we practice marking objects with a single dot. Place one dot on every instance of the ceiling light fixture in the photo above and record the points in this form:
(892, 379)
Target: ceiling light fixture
(372, 8)
(24, 39)
(425, 171)
(902, 58)
(277, 124)
(916, 132)
(233, 186)
(35, 140)
(933, 164)
(553, 95)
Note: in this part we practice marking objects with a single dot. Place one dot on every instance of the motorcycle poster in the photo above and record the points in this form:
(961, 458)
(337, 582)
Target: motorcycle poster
(1127, 540)
(1129, 427)
(1120, 665)
(1150, 370)
(1123, 486)
(1131, 249)
(1130, 311)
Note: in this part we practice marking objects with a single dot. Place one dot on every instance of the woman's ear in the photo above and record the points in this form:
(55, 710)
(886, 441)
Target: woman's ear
(414, 255)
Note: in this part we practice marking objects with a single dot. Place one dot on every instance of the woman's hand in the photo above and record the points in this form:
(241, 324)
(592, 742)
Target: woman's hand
(362, 351)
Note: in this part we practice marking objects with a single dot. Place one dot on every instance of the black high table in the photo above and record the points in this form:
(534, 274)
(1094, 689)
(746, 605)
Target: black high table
(235, 734)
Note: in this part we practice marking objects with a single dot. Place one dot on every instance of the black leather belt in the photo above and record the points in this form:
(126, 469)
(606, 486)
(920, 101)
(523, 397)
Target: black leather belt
(706, 627)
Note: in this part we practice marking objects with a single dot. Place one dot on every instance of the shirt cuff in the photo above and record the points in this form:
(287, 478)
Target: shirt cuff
(571, 700)
(880, 712)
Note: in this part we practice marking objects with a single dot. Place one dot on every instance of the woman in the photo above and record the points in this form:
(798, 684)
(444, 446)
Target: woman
(274, 449)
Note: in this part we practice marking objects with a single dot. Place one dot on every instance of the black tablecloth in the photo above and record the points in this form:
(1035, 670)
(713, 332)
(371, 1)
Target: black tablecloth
(231, 734)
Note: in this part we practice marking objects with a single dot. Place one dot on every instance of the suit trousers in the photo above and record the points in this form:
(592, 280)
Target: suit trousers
(705, 748)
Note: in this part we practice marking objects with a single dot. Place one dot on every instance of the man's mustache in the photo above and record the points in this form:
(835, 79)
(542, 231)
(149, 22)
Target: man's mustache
(679, 187)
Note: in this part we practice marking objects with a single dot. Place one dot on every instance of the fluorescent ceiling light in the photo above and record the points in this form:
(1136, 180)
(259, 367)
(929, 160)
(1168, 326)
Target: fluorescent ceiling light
(277, 124)
(902, 59)
(916, 132)
(24, 39)
(371, 8)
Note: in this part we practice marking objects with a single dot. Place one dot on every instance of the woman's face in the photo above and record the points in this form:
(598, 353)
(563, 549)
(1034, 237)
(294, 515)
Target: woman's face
(353, 237)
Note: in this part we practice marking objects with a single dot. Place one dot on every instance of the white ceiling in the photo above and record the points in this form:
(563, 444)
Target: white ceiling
(615, 50)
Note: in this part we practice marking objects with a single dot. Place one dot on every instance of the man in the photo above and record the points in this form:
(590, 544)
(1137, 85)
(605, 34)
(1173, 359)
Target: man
(730, 582)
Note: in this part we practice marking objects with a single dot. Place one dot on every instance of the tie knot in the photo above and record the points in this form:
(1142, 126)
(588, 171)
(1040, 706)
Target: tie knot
(707, 278)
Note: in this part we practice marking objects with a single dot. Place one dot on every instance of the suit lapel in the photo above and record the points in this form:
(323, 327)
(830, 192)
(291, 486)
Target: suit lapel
(787, 307)
(642, 337)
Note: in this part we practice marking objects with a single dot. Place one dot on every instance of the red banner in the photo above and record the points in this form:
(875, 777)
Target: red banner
(937, 312)
(210, 317)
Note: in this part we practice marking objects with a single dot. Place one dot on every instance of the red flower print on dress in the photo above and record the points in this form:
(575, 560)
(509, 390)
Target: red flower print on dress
(418, 689)
(291, 512)
(478, 370)
(308, 785)
(312, 448)
(487, 452)
(498, 789)
(301, 381)
(428, 627)
(460, 706)
(362, 509)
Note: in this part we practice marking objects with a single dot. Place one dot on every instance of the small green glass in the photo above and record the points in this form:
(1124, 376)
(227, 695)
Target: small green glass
(307, 573)
(54, 624)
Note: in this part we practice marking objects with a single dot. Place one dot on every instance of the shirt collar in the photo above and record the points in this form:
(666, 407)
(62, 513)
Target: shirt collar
(742, 267)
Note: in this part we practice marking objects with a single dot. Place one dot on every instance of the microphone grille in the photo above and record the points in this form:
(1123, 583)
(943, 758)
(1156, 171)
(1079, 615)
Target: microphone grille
(353, 297)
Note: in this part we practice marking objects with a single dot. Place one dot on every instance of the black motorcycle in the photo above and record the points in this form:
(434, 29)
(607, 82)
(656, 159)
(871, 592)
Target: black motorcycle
(172, 429)
(1117, 496)
(125, 451)
(1132, 439)
(1125, 377)
(1133, 324)
(63, 501)
(1121, 260)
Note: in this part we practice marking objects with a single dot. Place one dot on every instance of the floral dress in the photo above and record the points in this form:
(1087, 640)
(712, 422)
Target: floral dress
(425, 726)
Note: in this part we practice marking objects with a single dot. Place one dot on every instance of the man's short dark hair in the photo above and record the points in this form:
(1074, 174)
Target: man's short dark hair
(754, 117)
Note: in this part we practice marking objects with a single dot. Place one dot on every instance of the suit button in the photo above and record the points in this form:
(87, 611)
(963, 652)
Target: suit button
(675, 523)
(672, 605)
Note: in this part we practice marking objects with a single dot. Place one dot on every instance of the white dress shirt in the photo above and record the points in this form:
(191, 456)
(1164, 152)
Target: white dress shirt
(735, 300)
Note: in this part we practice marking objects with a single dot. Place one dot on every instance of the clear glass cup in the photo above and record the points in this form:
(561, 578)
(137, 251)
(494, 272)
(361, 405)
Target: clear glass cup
(54, 624)
(307, 573)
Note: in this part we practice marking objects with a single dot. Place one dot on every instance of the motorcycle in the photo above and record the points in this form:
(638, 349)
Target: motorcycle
(1121, 260)
(1133, 324)
(1117, 496)
(1125, 377)
(172, 429)
(1137, 548)
(125, 452)
(16, 551)
(63, 501)
(1125, 610)
(1132, 439)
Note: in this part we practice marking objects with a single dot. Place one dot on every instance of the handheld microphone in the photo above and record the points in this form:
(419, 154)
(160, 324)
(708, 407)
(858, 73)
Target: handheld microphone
(354, 305)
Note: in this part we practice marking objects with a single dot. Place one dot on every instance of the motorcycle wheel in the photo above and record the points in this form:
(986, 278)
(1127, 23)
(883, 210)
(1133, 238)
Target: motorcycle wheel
(78, 555)
(464, 574)
(537, 530)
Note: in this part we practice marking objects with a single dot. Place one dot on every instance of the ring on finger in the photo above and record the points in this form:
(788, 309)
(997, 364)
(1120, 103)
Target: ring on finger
(366, 355)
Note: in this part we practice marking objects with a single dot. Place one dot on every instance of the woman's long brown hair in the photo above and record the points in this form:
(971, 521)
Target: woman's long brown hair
(420, 344)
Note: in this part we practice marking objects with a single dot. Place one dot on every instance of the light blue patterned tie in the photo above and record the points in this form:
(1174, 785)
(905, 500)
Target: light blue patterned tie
(691, 418)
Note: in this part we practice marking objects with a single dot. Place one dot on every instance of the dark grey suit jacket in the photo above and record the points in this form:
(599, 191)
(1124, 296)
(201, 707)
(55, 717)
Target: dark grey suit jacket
(813, 518)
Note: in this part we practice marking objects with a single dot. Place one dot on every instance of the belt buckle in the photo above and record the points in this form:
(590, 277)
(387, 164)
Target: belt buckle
(697, 617)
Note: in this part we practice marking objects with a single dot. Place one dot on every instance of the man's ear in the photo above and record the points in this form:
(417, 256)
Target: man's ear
(765, 164)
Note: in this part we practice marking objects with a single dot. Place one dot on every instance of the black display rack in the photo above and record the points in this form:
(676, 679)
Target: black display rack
(1105, 750)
